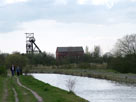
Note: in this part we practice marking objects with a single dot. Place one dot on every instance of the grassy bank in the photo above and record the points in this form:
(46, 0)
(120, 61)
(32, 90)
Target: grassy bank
(23, 94)
(48, 92)
(1, 88)
(6, 93)
(101, 73)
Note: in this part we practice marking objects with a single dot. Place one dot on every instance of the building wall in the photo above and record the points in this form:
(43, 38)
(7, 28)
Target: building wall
(76, 54)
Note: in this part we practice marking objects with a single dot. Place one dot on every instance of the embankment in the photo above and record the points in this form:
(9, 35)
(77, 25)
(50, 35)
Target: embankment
(95, 73)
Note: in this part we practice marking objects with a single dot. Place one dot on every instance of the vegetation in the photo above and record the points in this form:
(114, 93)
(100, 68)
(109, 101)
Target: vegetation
(49, 93)
(16, 59)
(71, 85)
(125, 55)
(101, 73)
(1, 88)
(3, 71)
(23, 94)
(124, 64)
(122, 59)
(6, 93)
(111, 66)
(40, 59)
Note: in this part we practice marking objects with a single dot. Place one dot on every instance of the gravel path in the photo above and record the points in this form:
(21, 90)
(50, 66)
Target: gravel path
(39, 99)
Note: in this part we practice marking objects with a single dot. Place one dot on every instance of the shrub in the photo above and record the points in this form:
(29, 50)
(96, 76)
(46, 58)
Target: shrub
(84, 65)
(124, 64)
(3, 71)
(27, 69)
(71, 85)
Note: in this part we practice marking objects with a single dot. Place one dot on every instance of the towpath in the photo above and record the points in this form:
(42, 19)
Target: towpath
(39, 98)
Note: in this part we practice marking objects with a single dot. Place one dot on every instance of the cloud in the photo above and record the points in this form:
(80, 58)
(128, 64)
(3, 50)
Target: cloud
(14, 1)
(82, 1)
(49, 34)
(67, 11)
(133, 0)
(108, 3)
(61, 2)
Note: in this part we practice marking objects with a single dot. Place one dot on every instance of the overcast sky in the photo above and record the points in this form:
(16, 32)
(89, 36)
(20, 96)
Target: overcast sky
(65, 23)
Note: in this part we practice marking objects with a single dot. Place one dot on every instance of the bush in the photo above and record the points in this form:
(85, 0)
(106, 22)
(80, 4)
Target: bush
(125, 64)
(27, 69)
(92, 65)
(71, 85)
(16, 59)
(84, 65)
(3, 71)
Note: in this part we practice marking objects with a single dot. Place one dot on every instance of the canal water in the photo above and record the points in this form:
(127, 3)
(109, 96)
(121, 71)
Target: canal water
(91, 89)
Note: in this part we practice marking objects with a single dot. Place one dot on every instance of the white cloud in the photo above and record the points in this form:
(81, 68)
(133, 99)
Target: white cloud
(133, 0)
(108, 3)
(14, 1)
(100, 2)
(81, 2)
(63, 2)
(66, 11)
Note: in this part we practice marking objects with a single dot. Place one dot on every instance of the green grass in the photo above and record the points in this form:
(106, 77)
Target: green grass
(10, 95)
(23, 94)
(9, 83)
(1, 88)
(49, 93)
(6, 85)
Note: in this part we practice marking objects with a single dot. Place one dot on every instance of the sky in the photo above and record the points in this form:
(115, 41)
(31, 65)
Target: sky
(61, 23)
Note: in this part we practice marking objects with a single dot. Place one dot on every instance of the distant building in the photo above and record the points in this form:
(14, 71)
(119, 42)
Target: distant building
(74, 52)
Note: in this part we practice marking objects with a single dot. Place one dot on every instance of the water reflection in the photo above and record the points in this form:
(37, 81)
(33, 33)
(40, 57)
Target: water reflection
(94, 90)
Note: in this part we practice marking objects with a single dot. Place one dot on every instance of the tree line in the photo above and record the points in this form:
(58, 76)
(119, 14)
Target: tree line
(121, 59)
(124, 59)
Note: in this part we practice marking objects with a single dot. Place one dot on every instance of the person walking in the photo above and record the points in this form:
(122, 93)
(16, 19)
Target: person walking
(18, 70)
(12, 69)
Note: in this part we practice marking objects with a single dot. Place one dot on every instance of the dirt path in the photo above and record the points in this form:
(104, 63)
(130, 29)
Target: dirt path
(39, 99)
(15, 94)
(5, 91)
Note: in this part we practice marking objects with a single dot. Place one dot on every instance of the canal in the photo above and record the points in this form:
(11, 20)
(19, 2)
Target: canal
(92, 89)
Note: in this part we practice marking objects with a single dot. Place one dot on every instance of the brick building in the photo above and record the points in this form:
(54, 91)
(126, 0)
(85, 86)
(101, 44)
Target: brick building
(63, 52)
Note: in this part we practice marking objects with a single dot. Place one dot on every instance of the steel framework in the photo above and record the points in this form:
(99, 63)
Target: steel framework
(31, 46)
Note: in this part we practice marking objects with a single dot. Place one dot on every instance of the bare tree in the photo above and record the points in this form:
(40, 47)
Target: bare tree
(70, 84)
(126, 45)
(97, 51)
(87, 50)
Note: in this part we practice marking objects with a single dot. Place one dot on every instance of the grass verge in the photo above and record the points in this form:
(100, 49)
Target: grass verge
(6, 93)
(1, 88)
(9, 96)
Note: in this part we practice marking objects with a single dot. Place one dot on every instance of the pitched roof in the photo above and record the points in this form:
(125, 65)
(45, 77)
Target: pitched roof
(69, 49)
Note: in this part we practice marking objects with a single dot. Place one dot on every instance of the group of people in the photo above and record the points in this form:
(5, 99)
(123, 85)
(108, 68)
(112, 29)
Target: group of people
(15, 70)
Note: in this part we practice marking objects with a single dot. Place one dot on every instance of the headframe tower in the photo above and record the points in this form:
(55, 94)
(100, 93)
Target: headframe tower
(31, 46)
